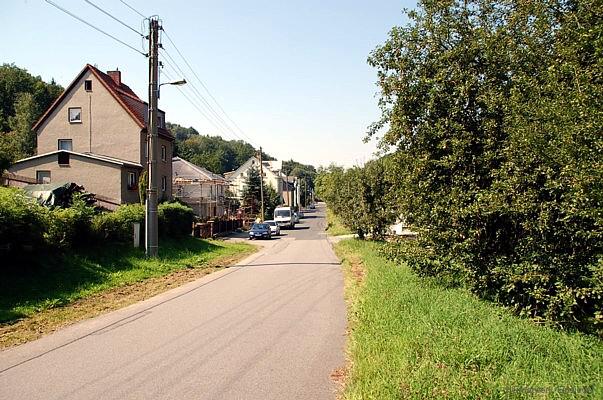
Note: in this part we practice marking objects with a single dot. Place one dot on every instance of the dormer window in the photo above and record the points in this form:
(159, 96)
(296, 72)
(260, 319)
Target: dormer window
(88, 85)
(160, 121)
(75, 115)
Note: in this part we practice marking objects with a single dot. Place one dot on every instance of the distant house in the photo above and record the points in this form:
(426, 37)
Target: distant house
(272, 176)
(201, 189)
(95, 134)
(289, 196)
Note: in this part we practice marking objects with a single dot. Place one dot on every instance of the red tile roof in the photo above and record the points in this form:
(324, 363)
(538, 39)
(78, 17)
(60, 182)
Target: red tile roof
(122, 93)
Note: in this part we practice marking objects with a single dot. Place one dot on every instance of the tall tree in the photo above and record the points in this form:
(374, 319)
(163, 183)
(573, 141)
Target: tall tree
(23, 98)
(495, 111)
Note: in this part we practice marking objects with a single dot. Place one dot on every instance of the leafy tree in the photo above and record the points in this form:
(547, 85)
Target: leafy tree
(23, 99)
(251, 193)
(26, 113)
(306, 173)
(494, 111)
(211, 152)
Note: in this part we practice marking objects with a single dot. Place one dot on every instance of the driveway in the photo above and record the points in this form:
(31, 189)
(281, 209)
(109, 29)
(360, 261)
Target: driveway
(271, 327)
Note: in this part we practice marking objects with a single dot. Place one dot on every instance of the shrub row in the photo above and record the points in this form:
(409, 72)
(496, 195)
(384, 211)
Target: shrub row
(491, 119)
(24, 224)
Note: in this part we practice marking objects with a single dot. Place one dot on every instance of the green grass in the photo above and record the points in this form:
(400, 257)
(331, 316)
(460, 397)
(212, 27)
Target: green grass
(47, 281)
(334, 225)
(411, 338)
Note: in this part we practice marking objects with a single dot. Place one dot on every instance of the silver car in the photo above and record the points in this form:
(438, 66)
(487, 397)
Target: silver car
(274, 228)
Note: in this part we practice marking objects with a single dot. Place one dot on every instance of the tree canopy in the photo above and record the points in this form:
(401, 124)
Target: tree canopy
(211, 152)
(493, 113)
(306, 174)
(23, 99)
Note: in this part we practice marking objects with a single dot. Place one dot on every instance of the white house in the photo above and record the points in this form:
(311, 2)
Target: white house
(272, 176)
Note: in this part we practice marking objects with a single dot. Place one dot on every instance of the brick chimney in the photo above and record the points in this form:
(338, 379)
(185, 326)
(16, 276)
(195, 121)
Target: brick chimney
(116, 76)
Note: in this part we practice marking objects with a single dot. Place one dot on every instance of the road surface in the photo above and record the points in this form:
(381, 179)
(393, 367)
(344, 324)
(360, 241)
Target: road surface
(270, 328)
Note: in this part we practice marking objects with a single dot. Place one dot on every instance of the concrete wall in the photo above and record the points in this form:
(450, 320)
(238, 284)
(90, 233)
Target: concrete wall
(106, 127)
(96, 176)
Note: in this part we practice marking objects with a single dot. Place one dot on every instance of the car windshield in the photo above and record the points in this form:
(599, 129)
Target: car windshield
(282, 213)
(271, 223)
(260, 226)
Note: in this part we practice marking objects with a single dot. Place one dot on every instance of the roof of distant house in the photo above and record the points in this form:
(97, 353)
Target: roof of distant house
(125, 96)
(186, 170)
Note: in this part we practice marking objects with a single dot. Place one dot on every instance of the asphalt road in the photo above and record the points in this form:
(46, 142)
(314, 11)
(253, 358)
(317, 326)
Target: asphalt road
(270, 328)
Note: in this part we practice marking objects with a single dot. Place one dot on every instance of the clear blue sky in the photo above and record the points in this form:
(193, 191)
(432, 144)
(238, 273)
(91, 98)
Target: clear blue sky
(292, 75)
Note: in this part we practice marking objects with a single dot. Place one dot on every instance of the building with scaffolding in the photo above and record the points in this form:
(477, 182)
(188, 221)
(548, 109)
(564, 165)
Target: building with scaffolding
(204, 191)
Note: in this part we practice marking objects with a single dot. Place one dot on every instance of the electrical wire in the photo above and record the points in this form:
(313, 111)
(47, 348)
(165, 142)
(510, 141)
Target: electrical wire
(204, 86)
(198, 94)
(94, 27)
(192, 102)
(114, 18)
(132, 8)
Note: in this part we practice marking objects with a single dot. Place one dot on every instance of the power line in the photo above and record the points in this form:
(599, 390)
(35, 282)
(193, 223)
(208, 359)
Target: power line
(114, 18)
(202, 84)
(198, 94)
(93, 27)
(219, 123)
(133, 9)
(195, 105)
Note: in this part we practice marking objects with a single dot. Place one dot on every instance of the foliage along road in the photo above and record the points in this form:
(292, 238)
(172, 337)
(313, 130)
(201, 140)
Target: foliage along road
(271, 327)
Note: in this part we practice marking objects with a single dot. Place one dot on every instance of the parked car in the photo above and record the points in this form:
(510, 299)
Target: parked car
(300, 215)
(274, 228)
(312, 206)
(260, 231)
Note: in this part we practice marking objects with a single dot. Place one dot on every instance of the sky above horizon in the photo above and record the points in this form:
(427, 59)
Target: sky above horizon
(292, 76)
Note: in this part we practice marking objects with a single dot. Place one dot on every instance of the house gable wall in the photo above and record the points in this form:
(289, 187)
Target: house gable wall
(106, 127)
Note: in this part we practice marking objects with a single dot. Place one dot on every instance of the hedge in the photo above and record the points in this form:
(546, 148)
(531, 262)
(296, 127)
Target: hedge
(22, 221)
(26, 225)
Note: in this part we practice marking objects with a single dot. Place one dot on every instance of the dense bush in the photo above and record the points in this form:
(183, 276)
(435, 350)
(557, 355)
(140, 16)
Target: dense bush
(70, 226)
(117, 225)
(175, 219)
(493, 110)
(361, 196)
(22, 221)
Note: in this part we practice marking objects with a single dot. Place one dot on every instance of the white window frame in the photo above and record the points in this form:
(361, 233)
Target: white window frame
(73, 120)
(163, 183)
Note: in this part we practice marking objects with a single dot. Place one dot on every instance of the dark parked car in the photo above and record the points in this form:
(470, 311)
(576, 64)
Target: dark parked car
(260, 231)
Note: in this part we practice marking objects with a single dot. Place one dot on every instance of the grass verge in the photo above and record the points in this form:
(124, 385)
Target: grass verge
(410, 338)
(334, 225)
(43, 294)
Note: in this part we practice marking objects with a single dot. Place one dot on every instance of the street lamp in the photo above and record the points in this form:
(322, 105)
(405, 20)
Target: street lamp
(175, 83)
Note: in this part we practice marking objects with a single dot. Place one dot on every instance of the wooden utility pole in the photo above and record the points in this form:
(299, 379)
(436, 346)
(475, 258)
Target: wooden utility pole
(151, 225)
(261, 186)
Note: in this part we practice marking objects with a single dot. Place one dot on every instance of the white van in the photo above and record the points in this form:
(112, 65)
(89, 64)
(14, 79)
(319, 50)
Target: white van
(284, 217)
